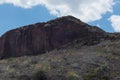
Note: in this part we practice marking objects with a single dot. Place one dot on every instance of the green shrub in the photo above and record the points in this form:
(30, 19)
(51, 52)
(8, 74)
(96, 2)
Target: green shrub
(39, 75)
(72, 75)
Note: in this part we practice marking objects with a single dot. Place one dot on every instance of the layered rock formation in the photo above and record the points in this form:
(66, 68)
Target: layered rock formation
(42, 37)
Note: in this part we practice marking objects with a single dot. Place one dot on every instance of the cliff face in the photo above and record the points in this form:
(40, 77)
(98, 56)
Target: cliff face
(42, 37)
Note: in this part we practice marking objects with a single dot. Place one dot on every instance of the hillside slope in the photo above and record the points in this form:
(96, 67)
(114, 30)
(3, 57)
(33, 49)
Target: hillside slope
(43, 37)
(71, 62)
(73, 50)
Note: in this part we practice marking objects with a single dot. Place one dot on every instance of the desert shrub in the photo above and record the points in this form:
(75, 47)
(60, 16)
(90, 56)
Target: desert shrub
(72, 75)
(99, 73)
(39, 75)
(43, 67)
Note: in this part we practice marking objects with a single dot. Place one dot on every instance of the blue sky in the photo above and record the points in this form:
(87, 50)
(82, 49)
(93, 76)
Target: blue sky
(101, 13)
(12, 17)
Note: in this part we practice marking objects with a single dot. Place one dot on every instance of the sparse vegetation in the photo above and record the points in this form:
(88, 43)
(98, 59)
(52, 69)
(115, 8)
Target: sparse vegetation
(110, 51)
(99, 73)
(74, 63)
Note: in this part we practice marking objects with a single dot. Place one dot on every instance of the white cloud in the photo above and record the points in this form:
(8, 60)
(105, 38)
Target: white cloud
(115, 20)
(86, 10)
(22, 3)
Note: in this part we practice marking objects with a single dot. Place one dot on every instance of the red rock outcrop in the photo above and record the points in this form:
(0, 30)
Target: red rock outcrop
(42, 37)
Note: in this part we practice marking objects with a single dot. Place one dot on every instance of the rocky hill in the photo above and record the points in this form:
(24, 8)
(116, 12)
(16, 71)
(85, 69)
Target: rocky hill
(73, 50)
(43, 37)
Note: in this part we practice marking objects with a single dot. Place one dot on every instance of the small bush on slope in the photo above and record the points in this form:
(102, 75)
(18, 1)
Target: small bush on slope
(39, 75)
